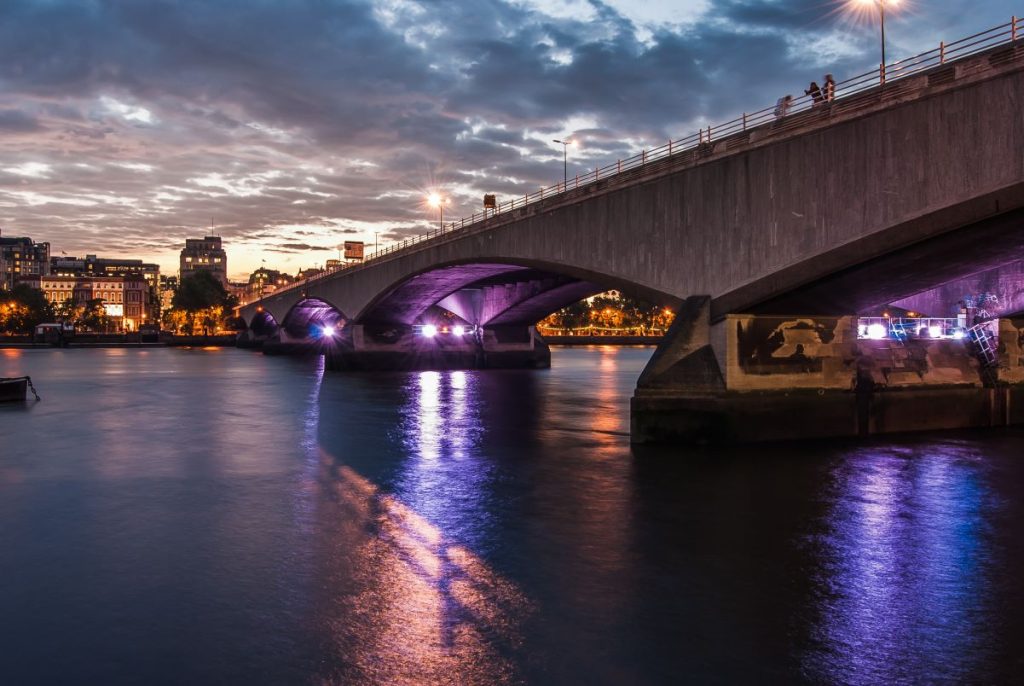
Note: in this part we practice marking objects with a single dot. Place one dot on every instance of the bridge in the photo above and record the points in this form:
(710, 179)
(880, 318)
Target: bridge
(909, 180)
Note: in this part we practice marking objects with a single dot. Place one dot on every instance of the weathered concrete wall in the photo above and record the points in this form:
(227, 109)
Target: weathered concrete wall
(778, 416)
(919, 362)
(805, 377)
(747, 223)
(771, 353)
(1011, 351)
(793, 353)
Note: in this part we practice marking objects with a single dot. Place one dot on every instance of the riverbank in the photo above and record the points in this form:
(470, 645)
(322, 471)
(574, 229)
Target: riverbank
(603, 340)
(122, 341)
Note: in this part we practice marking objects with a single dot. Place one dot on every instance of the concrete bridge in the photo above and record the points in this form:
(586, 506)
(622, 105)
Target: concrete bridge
(890, 193)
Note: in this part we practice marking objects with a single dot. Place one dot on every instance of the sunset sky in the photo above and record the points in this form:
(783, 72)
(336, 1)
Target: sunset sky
(291, 126)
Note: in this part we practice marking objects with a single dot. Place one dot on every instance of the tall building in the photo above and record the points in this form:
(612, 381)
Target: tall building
(168, 287)
(205, 254)
(19, 257)
(104, 266)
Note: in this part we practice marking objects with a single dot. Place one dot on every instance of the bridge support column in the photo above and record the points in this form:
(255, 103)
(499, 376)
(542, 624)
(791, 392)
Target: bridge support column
(286, 344)
(368, 347)
(760, 378)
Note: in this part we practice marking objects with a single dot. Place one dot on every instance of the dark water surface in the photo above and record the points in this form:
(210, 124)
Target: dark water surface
(218, 517)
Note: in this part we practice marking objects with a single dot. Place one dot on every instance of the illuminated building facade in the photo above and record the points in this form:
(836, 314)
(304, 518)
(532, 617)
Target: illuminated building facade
(124, 298)
(92, 265)
(205, 254)
(20, 257)
(265, 281)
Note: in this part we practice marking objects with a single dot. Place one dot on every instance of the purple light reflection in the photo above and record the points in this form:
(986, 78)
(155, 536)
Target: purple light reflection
(446, 478)
(905, 586)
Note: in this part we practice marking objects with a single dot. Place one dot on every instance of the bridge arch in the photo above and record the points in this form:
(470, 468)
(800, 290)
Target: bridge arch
(309, 316)
(495, 291)
(263, 325)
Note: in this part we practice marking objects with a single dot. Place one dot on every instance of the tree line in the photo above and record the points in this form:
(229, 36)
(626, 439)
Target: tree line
(201, 305)
(610, 311)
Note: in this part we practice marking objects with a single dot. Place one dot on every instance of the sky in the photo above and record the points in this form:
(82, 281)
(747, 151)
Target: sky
(288, 127)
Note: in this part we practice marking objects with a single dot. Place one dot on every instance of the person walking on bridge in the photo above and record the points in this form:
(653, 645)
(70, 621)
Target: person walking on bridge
(829, 91)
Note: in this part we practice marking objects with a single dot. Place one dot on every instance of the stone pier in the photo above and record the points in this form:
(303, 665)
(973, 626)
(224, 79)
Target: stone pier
(761, 378)
(362, 347)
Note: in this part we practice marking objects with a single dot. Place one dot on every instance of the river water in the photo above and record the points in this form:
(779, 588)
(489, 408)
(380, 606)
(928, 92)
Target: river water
(213, 516)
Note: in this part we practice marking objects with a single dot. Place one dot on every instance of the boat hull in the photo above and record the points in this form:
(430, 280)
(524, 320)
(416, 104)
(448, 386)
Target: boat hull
(12, 390)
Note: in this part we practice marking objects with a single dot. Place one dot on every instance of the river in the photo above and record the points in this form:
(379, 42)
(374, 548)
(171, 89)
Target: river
(214, 516)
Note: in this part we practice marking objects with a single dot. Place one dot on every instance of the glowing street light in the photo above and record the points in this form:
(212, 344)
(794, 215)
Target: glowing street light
(881, 5)
(435, 200)
(565, 157)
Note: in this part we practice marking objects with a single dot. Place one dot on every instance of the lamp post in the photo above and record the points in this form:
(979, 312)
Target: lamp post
(880, 4)
(435, 200)
(565, 163)
(375, 243)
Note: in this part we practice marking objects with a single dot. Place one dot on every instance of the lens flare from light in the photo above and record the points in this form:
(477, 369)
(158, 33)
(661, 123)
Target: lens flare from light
(935, 331)
(328, 331)
(877, 332)
(459, 330)
(429, 330)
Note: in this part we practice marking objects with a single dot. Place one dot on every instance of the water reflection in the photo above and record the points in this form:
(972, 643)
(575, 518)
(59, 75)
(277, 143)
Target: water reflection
(903, 591)
(446, 479)
(418, 607)
(439, 414)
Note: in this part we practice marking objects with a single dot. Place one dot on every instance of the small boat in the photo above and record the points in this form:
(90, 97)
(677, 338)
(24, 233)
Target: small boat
(16, 388)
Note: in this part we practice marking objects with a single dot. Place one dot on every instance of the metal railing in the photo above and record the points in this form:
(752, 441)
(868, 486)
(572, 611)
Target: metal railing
(785, 115)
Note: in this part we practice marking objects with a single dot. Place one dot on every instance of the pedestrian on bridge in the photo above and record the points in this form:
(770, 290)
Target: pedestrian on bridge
(815, 92)
(830, 88)
(783, 105)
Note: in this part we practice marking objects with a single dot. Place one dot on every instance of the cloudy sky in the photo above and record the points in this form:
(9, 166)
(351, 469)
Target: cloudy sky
(292, 125)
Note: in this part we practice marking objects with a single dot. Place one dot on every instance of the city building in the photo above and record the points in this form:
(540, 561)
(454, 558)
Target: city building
(265, 281)
(205, 254)
(91, 265)
(124, 298)
(168, 287)
(19, 257)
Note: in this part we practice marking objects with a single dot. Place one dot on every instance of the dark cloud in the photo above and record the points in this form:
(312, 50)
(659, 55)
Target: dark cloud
(300, 247)
(285, 123)
(17, 121)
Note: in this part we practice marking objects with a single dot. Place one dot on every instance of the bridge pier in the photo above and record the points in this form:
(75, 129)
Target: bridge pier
(761, 378)
(364, 347)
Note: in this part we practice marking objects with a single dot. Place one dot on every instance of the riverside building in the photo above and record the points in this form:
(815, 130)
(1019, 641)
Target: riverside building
(124, 298)
(20, 257)
(205, 254)
(91, 265)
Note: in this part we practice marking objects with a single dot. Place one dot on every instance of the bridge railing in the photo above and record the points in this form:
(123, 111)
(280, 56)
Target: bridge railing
(786, 115)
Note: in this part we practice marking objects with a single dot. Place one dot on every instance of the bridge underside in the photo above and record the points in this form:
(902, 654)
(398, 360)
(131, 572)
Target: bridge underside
(903, 273)
(457, 316)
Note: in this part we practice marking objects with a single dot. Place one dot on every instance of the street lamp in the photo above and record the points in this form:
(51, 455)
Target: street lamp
(881, 5)
(435, 200)
(565, 164)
